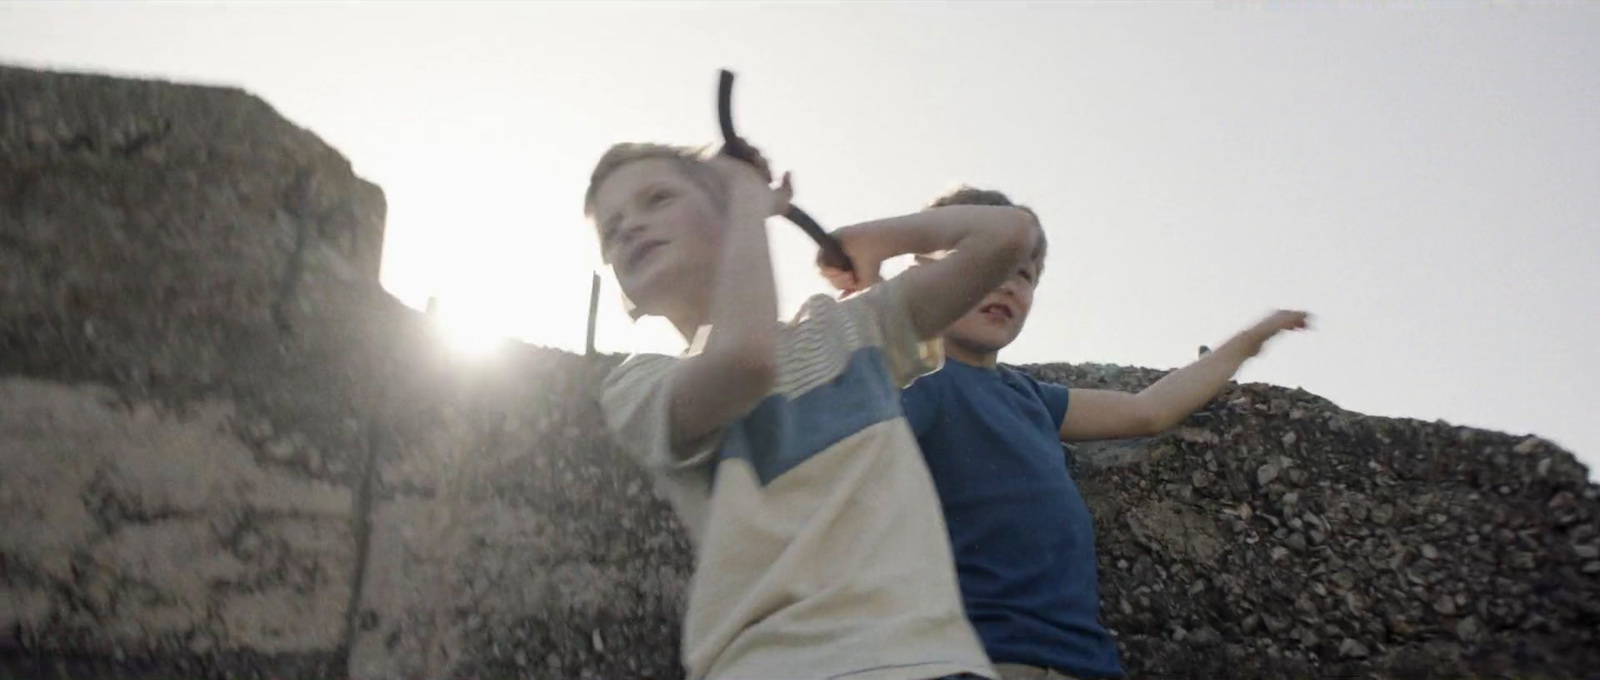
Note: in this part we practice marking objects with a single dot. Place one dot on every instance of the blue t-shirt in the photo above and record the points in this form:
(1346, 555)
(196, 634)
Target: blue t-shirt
(1022, 536)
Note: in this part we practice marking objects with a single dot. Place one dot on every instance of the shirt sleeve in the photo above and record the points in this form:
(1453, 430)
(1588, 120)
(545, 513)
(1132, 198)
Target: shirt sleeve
(883, 309)
(1056, 399)
(637, 401)
(920, 401)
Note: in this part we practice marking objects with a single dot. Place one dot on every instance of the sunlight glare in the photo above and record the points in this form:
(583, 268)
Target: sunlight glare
(472, 329)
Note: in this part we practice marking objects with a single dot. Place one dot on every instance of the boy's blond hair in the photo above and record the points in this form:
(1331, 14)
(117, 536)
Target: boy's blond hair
(691, 161)
(968, 195)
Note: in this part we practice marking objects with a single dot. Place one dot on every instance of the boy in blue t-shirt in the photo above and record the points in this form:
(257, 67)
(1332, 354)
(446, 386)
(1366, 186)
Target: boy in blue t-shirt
(1022, 537)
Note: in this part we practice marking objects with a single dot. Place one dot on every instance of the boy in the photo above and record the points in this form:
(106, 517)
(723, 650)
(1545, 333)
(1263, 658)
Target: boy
(1022, 536)
(820, 548)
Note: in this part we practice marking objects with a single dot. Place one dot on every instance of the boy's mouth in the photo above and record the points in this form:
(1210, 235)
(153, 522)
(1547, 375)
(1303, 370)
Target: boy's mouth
(998, 311)
(640, 253)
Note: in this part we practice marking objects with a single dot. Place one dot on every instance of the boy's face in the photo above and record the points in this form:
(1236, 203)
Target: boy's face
(658, 230)
(998, 319)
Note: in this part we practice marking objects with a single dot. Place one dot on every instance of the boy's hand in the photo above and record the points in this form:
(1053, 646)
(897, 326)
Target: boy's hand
(866, 253)
(1282, 320)
(754, 179)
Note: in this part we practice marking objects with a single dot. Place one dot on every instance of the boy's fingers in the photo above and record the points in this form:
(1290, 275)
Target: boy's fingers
(756, 162)
(1291, 320)
(838, 278)
(762, 166)
(785, 193)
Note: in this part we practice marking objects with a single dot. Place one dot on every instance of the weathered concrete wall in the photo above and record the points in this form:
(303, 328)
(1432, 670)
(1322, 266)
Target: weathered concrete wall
(225, 452)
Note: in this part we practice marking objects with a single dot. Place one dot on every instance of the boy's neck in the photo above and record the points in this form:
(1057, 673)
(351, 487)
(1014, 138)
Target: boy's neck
(689, 318)
(688, 328)
(969, 356)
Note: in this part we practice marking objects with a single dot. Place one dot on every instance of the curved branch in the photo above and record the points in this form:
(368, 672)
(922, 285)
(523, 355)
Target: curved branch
(833, 254)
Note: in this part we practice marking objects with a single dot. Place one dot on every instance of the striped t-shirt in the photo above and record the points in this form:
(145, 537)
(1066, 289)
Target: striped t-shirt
(820, 548)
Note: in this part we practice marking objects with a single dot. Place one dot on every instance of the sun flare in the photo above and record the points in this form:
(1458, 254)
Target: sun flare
(473, 331)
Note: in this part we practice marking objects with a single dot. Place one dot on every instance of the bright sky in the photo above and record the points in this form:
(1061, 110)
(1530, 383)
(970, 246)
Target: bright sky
(1426, 181)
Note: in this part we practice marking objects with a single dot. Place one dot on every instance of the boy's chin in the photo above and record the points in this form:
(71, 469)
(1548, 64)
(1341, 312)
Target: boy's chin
(985, 341)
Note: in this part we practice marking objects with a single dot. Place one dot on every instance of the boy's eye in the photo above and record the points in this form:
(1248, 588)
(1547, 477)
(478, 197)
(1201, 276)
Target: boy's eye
(658, 197)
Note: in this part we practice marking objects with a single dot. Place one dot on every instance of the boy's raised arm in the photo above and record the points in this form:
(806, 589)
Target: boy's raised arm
(988, 244)
(1109, 414)
(738, 365)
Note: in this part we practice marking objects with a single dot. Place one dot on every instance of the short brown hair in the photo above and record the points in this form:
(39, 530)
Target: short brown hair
(968, 195)
(691, 161)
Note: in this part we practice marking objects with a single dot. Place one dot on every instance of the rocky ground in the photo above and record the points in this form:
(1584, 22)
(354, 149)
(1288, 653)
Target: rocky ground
(225, 452)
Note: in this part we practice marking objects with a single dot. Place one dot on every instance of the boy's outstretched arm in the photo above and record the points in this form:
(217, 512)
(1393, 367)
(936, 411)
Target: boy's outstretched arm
(989, 242)
(1109, 414)
(738, 365)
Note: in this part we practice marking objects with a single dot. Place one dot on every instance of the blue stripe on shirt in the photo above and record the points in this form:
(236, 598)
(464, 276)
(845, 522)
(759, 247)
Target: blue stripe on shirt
(781, 433)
